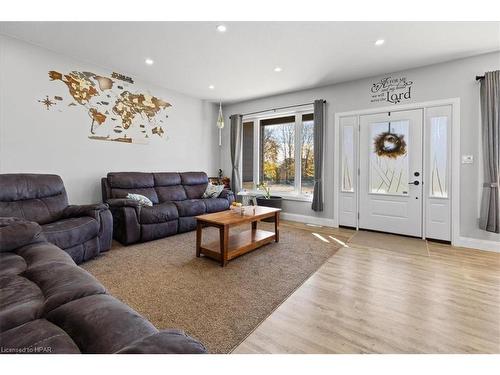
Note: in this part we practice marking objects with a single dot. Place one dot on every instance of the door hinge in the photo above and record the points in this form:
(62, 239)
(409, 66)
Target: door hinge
(358, 171)
(358, 215)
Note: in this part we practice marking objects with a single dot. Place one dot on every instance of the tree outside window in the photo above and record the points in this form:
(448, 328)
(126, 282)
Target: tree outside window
(278, 154)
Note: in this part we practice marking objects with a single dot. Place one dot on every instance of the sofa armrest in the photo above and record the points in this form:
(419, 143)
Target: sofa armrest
(123, 202)
(171, 341)
(16, 232)
(126, 214)
(99, 212)
(91, 210)
(227, 194)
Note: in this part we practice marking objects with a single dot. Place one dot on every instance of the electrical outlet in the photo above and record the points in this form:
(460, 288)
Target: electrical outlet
(467, 159)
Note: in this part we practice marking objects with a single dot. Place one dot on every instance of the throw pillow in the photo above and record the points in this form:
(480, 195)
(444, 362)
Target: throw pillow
(145, 201)
(213, 191)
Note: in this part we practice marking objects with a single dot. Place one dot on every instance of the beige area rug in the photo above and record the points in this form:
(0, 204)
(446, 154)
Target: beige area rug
(164, 281)
(385, 241)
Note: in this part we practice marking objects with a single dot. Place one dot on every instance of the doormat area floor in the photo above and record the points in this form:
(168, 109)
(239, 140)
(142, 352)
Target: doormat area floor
(391, 242)
(164, 281)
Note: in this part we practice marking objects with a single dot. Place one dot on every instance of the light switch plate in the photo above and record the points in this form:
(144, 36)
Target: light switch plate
(467, 159)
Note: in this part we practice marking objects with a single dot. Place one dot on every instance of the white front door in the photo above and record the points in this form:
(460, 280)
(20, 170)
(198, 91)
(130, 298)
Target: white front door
(390, 175)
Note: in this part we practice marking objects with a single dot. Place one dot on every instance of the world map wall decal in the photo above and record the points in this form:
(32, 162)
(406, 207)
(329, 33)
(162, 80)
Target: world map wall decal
(116, 111)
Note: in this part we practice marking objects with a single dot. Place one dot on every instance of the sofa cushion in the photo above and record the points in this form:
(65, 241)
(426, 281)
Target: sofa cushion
(67, 284)
(167, 179)
(130, 180)
(20, 186)
(190, 207)
(37, 337)
(16, 232)
(22, 301)
(71, 232)
(194, 178)
(101, 323)
(216, 204)
(171, 341)
(195, 191)
(171, 193)
(123, 183)
(38, 254)
(34, 197)
(11, 264)
(194, 183)
(168, 187)
(158, 213)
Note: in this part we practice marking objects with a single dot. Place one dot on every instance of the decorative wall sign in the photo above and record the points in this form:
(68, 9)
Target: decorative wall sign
(117, 113)
(392, 90)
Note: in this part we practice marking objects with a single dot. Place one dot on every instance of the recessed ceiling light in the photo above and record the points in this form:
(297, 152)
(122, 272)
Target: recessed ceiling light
(211, 87)
(221, 28)
(149, 61)
(379, 42)
(278, 69)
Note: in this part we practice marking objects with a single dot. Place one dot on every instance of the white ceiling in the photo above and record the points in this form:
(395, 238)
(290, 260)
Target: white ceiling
(190, 56)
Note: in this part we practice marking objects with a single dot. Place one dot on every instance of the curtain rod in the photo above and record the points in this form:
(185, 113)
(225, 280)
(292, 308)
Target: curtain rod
(275, 109)
(478, 78)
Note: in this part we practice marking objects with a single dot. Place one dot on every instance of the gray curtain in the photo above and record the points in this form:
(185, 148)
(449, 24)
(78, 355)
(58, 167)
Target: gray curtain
(490, 117)
(236, 138)
(319, 125)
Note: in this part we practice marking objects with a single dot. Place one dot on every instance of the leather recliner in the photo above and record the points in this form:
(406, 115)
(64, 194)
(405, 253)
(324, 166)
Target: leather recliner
(177, 200)
(50, 305)
(83, 231)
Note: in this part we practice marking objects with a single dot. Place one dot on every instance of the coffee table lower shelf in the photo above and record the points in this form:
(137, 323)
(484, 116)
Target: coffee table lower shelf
(239, 244)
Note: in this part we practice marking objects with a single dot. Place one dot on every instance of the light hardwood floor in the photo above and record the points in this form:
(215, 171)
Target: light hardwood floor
(370, 299)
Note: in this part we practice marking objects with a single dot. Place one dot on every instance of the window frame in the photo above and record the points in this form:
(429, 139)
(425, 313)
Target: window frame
(296, 194)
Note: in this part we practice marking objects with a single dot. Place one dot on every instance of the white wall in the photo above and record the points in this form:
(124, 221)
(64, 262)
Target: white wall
(441, 81)
(33, 139)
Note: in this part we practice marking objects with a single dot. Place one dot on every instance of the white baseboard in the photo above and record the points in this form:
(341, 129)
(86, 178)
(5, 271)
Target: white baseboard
(308, 219)
(475, 243)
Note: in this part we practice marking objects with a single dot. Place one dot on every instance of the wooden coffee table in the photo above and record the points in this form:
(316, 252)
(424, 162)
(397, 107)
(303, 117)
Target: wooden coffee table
(231, 246)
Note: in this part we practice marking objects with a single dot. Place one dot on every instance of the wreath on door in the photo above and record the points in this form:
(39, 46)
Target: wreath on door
(389, 144)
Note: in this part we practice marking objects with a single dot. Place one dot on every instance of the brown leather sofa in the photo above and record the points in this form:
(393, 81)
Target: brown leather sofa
(50, 305)
(177, 199)
(83, 231)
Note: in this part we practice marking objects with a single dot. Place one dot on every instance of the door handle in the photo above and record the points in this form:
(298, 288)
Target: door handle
(416, 183)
